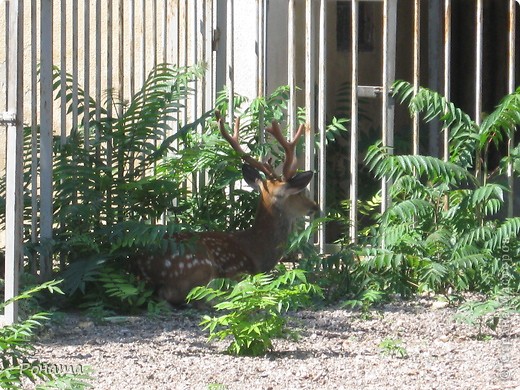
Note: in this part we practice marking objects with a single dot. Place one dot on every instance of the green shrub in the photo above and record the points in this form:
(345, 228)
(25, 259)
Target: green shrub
(487, 314)
(443, 230)
(16, 349)
(253, 309)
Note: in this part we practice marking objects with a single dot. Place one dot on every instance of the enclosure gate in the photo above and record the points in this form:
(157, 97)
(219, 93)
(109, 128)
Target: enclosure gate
(112, 45)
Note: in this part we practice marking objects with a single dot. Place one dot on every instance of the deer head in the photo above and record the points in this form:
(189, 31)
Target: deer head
(210, 255)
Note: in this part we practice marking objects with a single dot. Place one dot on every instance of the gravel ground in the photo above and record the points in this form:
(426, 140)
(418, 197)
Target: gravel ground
(338, 349)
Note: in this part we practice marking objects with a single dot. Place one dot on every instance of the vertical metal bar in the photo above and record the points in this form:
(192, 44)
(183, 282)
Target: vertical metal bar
(194, 56)
(46, 111)
(389, 42)
(86, 72)
(309, 89)
(75, 65)
(175, 30)
(447, 70)
(14, 167)
(478, 64)
(165, 32)
(131, 29)
(260, 74)
(260, 62)
(230, 55)
(186, 55)
(416, 70)
(110, 66)
(354, 124)
(63, 70)
(154, 33)
(433, 64)
(121, 50)
(511, 88)
(98, 67)
(291, 66)
(322, 125)
(143, 42)
(34, 126)
(208, 54)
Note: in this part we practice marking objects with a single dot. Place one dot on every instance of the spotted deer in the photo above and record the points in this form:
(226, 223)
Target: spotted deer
(209, 255)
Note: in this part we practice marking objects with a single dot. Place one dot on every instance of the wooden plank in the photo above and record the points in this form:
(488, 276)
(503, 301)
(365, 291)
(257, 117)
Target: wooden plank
(46, 122)
(14, 163)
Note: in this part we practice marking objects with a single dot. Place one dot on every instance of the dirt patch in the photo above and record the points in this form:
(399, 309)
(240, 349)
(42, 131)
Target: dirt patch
(338, 349)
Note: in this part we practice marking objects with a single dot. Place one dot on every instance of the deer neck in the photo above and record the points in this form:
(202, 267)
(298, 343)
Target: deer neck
(266, 240)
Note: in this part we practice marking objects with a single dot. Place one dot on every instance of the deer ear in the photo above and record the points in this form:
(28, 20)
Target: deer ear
(298, 182)
(251, 176)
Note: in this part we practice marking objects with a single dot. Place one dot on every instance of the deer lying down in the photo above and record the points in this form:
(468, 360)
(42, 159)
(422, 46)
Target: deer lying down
(210, 255)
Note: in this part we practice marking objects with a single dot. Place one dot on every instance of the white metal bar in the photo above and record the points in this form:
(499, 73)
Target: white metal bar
(14, 167)
(34, 126)
(230, 56)
(511, 88)
(165, 8)
(75, 65)
(194, 56)
(131, 60)
(389, 42)
(291, 66)
(310, 78)
(110, 63)
(142, 64)
(354, 124)
(322, 125)
(447, 70)
(46, 118)
(154, 32)
(120, 60)
(416, 70)
(260, 62)
(86, 72)
(98, 66)
(63, 69)
(208, 54)
(185, 58)
(434, 63)
(478, 62)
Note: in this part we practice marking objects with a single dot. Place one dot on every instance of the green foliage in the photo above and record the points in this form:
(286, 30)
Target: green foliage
(253, 309)
(488, 313)
(443, 229)
(16, 349)
(393, 347)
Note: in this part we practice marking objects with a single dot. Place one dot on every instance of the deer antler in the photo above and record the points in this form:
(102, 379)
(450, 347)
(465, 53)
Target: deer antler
(289, 166)
(266, 167)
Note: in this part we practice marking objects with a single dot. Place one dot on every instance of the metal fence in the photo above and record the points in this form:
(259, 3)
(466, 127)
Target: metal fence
(112, 45)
